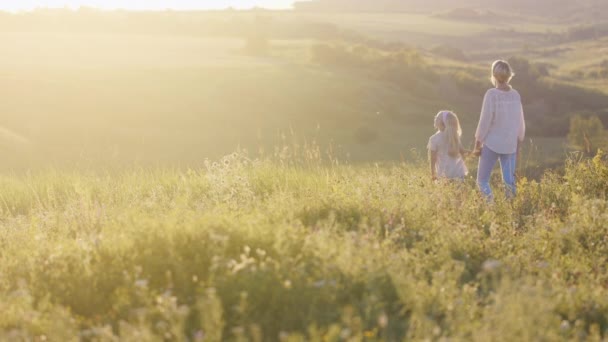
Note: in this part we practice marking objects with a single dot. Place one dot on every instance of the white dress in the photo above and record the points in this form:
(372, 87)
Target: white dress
(446, 166)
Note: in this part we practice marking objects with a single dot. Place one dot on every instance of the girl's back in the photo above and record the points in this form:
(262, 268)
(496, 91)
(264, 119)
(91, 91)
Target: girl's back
(447, 166)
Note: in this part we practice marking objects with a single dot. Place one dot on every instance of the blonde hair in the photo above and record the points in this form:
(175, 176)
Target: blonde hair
(501, 72)
(448, 122)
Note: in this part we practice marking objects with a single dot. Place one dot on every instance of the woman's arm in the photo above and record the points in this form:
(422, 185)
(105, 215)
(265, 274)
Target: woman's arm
(478, 147)
(522, 127)
(485, 119)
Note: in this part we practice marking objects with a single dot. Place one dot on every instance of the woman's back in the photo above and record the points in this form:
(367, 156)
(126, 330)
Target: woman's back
(502, 121)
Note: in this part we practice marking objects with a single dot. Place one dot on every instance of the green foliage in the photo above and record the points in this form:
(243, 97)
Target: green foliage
(467, 83)
(451, 52)
(587, 134)
(294, 250)
(560, 100)
(588, 176)
(587, 31)
(405, 68)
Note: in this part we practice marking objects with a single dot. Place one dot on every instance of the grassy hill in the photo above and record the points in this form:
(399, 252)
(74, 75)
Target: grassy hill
(176, 87)
(92, 101)
(287, 249)
(557, 9)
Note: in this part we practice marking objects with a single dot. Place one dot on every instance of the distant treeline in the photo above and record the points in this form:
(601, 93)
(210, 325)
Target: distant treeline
(549, 103)
(544, 7)
(586, 31)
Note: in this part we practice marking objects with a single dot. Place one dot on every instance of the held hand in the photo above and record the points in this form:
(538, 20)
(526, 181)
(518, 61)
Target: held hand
(477, 151)
(466, 153)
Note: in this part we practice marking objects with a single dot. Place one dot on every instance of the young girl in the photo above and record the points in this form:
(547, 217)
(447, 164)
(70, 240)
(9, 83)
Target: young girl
(445, 148)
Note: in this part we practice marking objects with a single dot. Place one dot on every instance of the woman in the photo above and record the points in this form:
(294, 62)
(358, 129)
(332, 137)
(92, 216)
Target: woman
(500, 131)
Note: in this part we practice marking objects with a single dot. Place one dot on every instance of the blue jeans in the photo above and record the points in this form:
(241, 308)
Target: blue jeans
(486, 164)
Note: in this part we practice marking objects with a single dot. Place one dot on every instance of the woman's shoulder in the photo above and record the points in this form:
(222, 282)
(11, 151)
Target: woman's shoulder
(495, 92)
(516, 92)
(491, 92)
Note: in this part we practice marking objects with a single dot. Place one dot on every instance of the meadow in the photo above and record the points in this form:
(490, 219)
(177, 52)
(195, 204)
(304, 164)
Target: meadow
(297, 247)
(125, 214)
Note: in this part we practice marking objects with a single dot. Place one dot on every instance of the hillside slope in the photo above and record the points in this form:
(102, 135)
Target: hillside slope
(559, 8)
(175, 88)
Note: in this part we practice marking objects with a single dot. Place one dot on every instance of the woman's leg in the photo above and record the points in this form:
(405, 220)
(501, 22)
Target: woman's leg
(508, 164)
(484, 171)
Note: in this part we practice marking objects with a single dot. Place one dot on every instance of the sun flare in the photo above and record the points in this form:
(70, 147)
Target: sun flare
(24, 5)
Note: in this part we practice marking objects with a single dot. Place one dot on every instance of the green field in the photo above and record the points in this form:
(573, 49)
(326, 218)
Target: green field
(288, 249)
(126, 215)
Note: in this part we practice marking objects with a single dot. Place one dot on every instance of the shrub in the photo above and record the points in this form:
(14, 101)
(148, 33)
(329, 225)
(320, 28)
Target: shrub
(450, 52)
(587, 134)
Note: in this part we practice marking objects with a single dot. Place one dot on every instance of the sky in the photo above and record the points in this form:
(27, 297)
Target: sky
(19, 5)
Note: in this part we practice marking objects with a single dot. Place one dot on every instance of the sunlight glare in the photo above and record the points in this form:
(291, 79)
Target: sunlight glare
(25, 5)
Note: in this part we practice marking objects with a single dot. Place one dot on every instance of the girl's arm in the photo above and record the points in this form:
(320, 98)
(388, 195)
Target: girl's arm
(433, 159)
(464, 152)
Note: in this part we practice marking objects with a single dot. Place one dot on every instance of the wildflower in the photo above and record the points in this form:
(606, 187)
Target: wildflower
(319, 283)
(238, 331)
(345, 334)
(141, 283)
(543, 264)
(260, 252)
(383, 320)
(491, 265)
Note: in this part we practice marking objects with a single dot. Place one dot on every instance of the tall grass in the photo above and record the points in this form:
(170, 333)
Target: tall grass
(267, 250)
